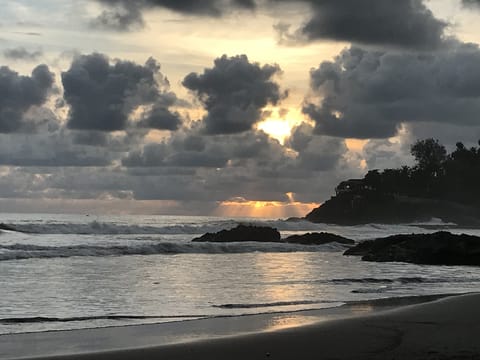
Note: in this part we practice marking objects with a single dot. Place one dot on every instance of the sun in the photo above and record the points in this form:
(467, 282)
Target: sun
(280, 123)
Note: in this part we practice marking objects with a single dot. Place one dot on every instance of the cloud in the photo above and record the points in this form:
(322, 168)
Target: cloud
(234, 92)
(315, 153)
(121, 16)
(406, 23)
(471, 2)
(103, 95)
(18, 94)
(48, 150)
(189, 148)
(126, 15)
(370, 94)
(20, 53)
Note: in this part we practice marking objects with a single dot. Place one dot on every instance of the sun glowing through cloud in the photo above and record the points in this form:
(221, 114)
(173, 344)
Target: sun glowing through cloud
(276, 128)
(240, 207)
(280, 123)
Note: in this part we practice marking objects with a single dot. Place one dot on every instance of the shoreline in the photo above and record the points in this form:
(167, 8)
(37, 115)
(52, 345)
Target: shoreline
(97, 343)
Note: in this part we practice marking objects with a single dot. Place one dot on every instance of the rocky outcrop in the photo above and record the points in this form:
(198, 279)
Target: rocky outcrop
(268, 234)
(440, 248)
(373, 207)
(318, 239)
(242, 233)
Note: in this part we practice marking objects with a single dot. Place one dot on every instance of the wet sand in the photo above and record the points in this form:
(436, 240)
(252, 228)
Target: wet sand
(448, 328)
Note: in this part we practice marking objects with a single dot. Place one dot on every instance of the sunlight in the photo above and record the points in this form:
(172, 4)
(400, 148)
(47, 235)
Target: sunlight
(280, 123)
(356, 145)
(239, 207)
(276, 128)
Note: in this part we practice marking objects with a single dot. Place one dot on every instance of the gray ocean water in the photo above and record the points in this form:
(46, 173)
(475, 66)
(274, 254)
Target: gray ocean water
(77, 271)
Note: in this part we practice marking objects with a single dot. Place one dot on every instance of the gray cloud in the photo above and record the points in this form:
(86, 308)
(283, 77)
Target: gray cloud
(125, 15)
(471, 2)
(50, 149)
(159, 117)
(20, 53)
(369, 94)
(316, 153)
(234, 92)
(191, 149)
(102, 95)
(406, 23)
(20, 93)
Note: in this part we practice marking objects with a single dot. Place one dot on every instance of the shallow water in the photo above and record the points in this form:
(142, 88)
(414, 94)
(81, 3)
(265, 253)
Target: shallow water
(81, 272)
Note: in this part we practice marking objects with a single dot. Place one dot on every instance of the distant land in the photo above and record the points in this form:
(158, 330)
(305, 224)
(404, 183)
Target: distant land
(439, 185)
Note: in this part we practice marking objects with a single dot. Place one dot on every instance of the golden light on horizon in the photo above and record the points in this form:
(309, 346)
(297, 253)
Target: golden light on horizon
(239, 207)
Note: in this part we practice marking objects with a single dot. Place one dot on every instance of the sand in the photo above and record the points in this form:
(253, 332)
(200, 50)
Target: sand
(443, 329)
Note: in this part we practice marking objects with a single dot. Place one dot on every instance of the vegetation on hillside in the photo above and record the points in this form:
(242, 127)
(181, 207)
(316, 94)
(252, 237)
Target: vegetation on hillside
(439, 185)
(436, 175)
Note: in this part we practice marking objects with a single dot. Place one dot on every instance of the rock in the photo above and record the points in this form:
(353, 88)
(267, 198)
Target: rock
(373, 207)
(440, 248)
(242, 233)
(318, 239)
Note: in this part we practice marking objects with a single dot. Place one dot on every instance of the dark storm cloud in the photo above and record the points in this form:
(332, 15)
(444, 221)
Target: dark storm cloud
(405, 23)
(369, 94)
(102, 95)
(21, 53)
(124, 15)
(160, 118)
(19, 93)
(234, 92)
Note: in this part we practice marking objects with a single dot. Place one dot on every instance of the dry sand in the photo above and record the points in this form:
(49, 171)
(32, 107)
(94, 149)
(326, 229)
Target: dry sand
(444, 329)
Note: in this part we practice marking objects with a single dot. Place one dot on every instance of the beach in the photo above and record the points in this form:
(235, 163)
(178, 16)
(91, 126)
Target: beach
(138, 287)
(448, 328)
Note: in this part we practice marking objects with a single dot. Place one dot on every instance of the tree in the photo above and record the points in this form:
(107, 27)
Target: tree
(430, 156)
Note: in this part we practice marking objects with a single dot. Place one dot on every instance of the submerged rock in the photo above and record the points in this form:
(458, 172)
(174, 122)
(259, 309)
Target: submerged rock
(440, 248)
(318, 239)
(242, 233)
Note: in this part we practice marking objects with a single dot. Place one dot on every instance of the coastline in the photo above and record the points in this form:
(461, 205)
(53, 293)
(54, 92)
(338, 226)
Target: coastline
(367, 327)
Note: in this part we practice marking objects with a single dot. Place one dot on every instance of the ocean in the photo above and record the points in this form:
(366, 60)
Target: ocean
(62, 272)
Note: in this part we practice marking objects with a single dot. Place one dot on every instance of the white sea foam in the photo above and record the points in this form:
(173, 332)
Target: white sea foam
(28, 251)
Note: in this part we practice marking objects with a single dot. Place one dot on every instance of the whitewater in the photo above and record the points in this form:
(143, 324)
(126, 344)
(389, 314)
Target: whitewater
(62, 272)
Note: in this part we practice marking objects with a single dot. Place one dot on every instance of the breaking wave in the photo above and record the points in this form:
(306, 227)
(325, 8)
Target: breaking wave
(110, 228)
(28, 251)
(104, 228)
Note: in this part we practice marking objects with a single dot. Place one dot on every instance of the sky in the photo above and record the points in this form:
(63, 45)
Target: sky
(224, 107)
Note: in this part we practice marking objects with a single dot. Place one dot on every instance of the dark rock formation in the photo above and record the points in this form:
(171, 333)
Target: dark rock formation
(440, 248)
(242, 233)
(267, 234)
(350, 208)
(318, 239)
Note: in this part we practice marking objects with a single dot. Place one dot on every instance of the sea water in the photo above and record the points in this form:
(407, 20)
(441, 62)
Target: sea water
(60, 272)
